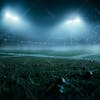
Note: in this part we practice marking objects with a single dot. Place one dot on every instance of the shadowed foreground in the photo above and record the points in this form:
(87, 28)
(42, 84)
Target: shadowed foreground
(33, 78)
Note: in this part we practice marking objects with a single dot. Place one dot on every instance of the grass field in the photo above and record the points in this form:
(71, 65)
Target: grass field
(44, 52)
(27, 77)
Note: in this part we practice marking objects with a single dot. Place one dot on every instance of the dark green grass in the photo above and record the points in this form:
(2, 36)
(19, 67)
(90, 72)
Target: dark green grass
(32, 74)
(97, 56)
(45, 52)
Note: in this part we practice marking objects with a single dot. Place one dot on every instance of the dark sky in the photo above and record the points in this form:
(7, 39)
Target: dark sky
(49, 12)
(46, 14)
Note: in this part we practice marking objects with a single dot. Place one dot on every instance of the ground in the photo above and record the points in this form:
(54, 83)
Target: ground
(26, 74)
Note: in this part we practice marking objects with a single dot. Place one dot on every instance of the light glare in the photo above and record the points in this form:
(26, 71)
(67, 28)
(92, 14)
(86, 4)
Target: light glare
(77, 20)
(69, 22)
(10, 16)
(74, 21)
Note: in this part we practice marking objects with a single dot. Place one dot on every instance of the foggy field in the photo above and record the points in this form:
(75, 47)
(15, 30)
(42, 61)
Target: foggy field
(31, 76)
(70, 52)
(50, 49)
(43, 53)
(28, 73)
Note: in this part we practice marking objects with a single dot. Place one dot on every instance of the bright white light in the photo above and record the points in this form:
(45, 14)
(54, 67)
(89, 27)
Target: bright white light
(77, 20)
(8, 15)
(15, 18)
(69, 22)
(73, 25)
(74, 21)
(11, 17)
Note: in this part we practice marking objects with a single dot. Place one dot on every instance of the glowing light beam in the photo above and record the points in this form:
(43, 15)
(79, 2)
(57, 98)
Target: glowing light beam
(74, 21)
(11, 17)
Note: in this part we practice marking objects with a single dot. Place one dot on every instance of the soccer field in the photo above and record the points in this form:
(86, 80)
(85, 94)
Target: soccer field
(30, 72)
(66, 54)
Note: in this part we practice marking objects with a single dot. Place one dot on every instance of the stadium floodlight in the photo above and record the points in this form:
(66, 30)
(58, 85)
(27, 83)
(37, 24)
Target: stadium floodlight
(11, 17)
(74, 25)
(74, 21)
(77, 20)
(69, 22)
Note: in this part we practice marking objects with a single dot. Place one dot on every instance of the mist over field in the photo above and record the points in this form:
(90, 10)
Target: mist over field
(50, 49)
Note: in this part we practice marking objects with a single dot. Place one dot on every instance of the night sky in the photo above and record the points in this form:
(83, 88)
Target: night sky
(48, 13)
